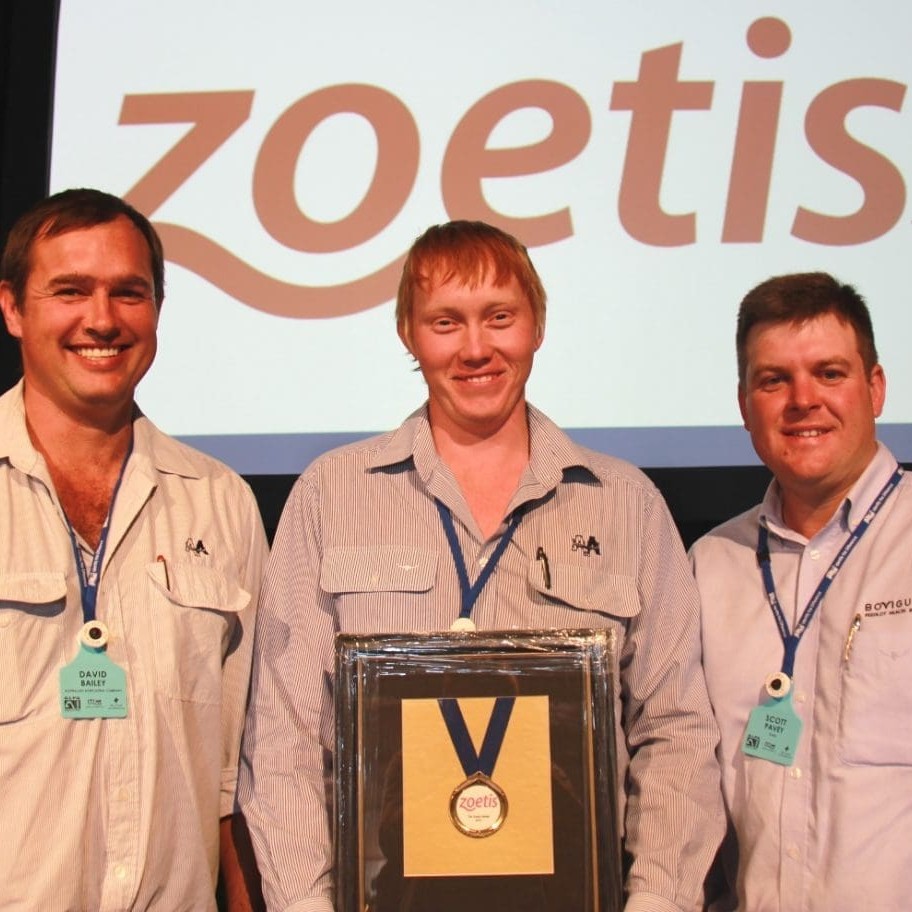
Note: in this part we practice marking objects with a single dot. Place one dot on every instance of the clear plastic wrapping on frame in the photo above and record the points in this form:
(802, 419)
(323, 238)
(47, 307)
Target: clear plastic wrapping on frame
(416, 832)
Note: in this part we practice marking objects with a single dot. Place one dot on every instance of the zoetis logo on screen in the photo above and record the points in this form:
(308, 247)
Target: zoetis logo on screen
(651, 101)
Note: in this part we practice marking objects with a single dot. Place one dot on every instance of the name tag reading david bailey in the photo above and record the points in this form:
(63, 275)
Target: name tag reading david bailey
(93, 687)
(476, 786)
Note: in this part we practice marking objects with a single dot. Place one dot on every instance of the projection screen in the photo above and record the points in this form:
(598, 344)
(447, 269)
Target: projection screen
(659, 159)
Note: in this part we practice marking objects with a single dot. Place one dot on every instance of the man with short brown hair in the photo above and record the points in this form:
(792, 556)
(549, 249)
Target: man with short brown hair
(807, 617)
(129, 574)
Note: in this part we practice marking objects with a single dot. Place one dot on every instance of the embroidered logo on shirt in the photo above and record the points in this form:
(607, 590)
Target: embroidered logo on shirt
(899, 605)
(198, 548)
(587, 547)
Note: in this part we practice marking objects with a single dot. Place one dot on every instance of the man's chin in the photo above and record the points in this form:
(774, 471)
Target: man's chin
(105, 404)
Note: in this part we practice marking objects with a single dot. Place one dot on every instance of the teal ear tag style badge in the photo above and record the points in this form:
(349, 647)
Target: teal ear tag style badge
(773, 731)
(93, 687)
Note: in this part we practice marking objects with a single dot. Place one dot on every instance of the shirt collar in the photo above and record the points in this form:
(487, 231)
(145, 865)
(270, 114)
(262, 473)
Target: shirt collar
(852, 509)
(151, 448)
(551, 452)
(160, 452)
(15, 444)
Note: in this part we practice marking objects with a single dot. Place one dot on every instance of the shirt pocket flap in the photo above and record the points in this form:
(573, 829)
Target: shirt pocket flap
(32, 588)
(197, 586)
(384, 568)
(589, 590)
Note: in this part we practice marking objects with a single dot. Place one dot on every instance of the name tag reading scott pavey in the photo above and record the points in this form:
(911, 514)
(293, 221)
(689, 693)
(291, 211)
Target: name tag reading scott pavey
(773, 731)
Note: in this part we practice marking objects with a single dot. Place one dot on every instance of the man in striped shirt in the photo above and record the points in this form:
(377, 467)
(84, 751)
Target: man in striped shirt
(370, 541)
(129, 573)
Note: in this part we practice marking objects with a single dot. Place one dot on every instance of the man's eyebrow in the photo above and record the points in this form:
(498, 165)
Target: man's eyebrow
(833, 361)
(79, 278)
(767, 367)
(495, 302)
(68, 278)
(779, 368)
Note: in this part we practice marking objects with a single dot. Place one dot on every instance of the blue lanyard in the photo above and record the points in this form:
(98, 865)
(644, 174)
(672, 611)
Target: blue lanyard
(791, 639)
(88, 582)
(485, 760)
(470, 593)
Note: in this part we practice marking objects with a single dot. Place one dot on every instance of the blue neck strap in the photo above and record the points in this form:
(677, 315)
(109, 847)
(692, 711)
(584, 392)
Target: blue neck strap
(791, 639)
(88, 582)
(469, 593)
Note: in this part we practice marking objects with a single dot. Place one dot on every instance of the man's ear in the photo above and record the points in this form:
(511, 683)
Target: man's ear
(877, 384)
(11, 313)
(742, 406)
(405, 334)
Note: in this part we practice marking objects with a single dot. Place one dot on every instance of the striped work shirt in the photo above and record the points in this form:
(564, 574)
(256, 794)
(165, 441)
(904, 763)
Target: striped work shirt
(116, 814)
(360, 548)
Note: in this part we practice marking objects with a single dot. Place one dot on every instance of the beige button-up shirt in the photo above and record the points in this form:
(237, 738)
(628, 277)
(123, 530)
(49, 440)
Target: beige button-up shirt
(123, 813)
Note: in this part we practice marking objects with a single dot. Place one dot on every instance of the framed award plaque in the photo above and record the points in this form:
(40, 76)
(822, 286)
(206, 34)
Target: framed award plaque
(475, 772)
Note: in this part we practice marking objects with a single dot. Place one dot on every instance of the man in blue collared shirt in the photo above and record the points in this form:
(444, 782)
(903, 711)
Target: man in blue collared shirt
(807, 617)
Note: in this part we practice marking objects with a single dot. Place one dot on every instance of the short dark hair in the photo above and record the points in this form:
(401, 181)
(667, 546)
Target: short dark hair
(67, 211)
(468, 251)
(800, 297)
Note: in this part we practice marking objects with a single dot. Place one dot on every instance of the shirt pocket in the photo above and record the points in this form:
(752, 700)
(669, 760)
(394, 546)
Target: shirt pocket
(193, 616)
(876, 694)
(590, 597)
(32, 648)
(379, 589)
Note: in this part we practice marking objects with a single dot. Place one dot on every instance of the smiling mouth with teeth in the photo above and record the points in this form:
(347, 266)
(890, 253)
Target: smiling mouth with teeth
(94, 354)
(811, 433)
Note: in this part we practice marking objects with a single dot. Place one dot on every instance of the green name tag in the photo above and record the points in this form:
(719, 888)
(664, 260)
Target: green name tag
(773, 731)
(93, 687)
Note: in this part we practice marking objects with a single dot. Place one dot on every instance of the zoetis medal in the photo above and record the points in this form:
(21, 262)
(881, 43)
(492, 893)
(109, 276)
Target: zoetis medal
(478, 806)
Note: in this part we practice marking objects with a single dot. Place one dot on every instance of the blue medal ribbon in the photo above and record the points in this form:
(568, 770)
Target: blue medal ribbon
(791, 638)
(469, 593)
(88, 582)
(484, 760)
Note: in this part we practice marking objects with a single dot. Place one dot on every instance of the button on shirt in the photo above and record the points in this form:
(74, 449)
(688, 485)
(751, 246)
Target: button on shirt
(119, 814)
(831, 832)
(361, 548)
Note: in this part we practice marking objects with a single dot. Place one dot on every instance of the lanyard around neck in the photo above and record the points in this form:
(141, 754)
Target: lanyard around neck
(791, 639)
(88, 581)
(469, 592)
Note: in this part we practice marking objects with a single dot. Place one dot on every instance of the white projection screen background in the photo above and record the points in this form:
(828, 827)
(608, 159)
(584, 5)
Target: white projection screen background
(659, 159)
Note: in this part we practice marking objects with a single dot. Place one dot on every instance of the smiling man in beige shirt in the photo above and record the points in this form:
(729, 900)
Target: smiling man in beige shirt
(129, 573)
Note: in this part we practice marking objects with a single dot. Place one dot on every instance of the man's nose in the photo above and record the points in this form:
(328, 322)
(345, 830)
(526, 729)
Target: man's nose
(476, 344)
(804, 392)
(101, 317)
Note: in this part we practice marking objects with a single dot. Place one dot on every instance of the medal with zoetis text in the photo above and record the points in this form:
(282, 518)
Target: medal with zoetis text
(478, 806)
